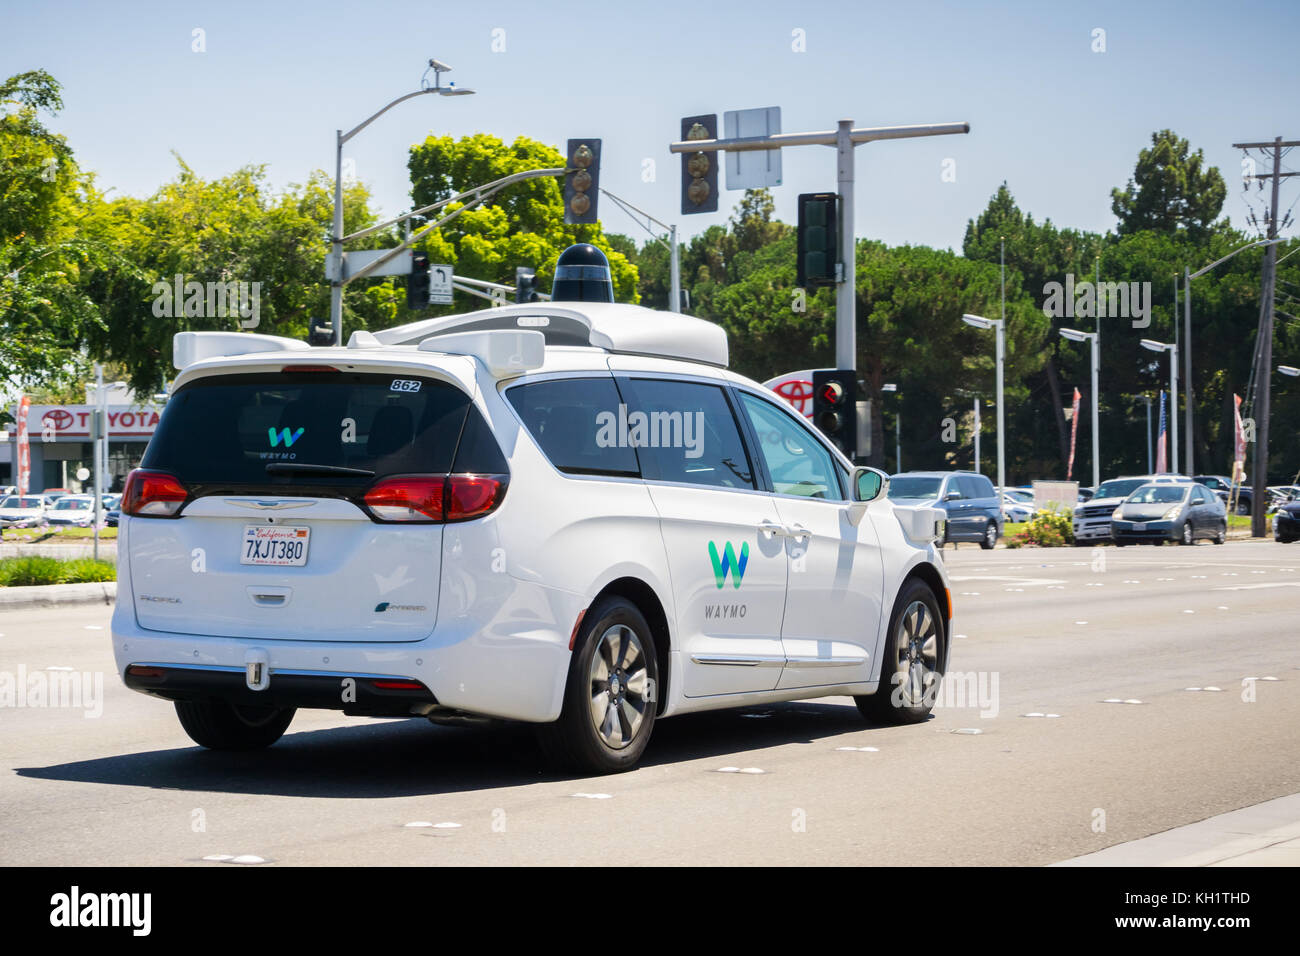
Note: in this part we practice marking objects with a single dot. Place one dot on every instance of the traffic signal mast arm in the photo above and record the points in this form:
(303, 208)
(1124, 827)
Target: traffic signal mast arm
(825, 138)
(478, 193)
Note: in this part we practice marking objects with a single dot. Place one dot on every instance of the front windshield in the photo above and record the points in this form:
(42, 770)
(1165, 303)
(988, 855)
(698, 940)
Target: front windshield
(903, 486)
(1118, 488)
(1157, 495)
(71, 504)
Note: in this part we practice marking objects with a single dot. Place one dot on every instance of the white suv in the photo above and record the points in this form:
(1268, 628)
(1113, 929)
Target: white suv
(569, 514)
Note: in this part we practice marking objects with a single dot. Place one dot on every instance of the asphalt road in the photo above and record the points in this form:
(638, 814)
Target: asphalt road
(1060, 632)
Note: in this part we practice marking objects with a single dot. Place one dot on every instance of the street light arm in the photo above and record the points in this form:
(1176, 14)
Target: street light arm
(1261, 242)
(401, 99)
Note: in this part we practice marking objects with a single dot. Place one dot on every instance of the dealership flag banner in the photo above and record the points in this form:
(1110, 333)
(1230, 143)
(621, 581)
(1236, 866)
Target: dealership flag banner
(24, 448)
(1074, 433)
(1238, 445)
(1162, 465)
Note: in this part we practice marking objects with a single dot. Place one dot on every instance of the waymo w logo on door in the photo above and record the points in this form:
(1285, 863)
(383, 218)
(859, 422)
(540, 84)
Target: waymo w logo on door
(728, 562)
(284, 435)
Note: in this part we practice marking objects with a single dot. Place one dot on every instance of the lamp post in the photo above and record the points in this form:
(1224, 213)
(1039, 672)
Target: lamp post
(998, 326)
(1094, 340)
(1188, 276)
(340, 137)
(1155, 346)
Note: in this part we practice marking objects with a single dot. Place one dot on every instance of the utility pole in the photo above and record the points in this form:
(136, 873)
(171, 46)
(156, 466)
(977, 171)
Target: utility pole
(1264, 337)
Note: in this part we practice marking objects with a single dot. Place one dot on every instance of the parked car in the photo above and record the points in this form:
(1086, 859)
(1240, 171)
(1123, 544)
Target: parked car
(969, 499)
(1157, 512)
(1222, 486)
(27, 511)
(1085, 494)
(1092, 520)
(112, 517)
(569, 514)
(1014, 508)
(73, 511)
(1286, 522)
(54, 494)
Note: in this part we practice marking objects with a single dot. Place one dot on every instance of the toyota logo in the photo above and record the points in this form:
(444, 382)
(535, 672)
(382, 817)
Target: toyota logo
(798, 393)
(58, 419)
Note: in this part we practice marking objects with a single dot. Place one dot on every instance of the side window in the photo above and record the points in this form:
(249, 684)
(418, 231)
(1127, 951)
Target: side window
(1198, 497)
(798, 464)
(953, 487)
(684, 431)
(977, 487)
(570, 419)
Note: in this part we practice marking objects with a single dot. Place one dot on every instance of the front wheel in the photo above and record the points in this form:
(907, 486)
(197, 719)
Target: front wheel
(990, 539)
(221, 725)
(1186, 536)
(609, 699)
(912, 666)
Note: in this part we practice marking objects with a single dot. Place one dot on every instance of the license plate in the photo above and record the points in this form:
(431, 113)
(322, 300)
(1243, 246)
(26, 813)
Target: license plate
(1139, 526)
(284, 547)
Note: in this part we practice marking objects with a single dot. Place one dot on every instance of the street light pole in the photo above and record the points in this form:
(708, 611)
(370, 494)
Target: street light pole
(340, 137)
(998, 326)
(1172, 349)
(977, 436)
(1094, 341)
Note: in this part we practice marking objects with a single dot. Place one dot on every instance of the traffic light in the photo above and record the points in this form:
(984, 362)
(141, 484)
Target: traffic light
(700, 170)
(818, 240)
(320, 334)
(582, 186)
(525, 285)
(417, 283)
(835, 408)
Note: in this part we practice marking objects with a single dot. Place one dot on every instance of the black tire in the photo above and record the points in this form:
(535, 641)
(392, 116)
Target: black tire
(1221, 536)
(1243, 507)
(220, 725)
(886, 704)
(990, 539)
(573, 742)
(1187, 536)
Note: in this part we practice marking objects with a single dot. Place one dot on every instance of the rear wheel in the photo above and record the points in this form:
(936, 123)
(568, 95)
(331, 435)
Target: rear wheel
(609, 700)
(911, 668)
(221, 725)
(990, 539)
(1222, 534)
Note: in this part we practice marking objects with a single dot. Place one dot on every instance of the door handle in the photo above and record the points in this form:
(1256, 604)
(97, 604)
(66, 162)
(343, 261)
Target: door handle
(774, 529)
(797, 531)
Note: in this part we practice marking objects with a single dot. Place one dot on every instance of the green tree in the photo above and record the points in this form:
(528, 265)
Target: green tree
(1170, 190)
(521, 225)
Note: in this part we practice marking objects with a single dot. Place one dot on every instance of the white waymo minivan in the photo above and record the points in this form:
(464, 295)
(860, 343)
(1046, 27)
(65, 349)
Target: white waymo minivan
(569, 514)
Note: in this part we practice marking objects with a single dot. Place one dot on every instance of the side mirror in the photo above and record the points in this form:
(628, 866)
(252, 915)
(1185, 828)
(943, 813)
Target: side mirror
(952, 496)
(866, 484)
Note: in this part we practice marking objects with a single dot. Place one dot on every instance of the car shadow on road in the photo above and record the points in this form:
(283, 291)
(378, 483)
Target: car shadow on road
(395, 758)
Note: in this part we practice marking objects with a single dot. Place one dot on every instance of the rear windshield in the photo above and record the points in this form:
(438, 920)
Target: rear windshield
(242, 430)
(902, 486)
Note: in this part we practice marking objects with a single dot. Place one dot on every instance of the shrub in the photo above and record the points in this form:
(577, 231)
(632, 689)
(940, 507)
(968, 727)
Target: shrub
(1047, 529)
(40, 569)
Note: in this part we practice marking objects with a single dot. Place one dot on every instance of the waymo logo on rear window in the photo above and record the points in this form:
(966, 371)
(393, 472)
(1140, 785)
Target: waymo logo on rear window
(284, 435)
(728, 562)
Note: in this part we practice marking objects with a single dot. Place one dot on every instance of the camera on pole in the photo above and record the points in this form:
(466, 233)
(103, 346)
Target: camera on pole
(835, 408)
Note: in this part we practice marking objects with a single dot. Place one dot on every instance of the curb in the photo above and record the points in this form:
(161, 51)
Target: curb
(56, 595)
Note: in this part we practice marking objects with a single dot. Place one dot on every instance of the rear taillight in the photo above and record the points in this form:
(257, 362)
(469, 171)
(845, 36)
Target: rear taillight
(153, 494)
(472, 496)
(435, 497)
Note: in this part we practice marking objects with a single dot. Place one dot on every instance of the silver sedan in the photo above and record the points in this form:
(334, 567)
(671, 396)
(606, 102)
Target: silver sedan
(1181, 511)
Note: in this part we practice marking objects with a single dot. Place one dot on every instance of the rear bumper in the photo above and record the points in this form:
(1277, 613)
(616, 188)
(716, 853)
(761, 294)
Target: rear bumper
(359, 694)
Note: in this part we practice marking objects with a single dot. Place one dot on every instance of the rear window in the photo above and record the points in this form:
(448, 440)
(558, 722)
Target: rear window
(355, 427)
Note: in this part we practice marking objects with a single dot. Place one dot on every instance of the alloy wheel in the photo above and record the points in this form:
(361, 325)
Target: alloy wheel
(617, 683)
(916, 647)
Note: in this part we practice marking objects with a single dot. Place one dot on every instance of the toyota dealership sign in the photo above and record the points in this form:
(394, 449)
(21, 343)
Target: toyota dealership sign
(53, 422)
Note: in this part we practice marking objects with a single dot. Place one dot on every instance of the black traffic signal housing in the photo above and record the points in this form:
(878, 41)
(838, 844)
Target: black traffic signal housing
(417, 283)
(525, 285)
(319, 335)
(582, 186)
(700, 170)
(818, 254)
(835, 408)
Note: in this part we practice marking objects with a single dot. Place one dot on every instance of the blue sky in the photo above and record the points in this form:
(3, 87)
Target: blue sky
(1059, 122)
